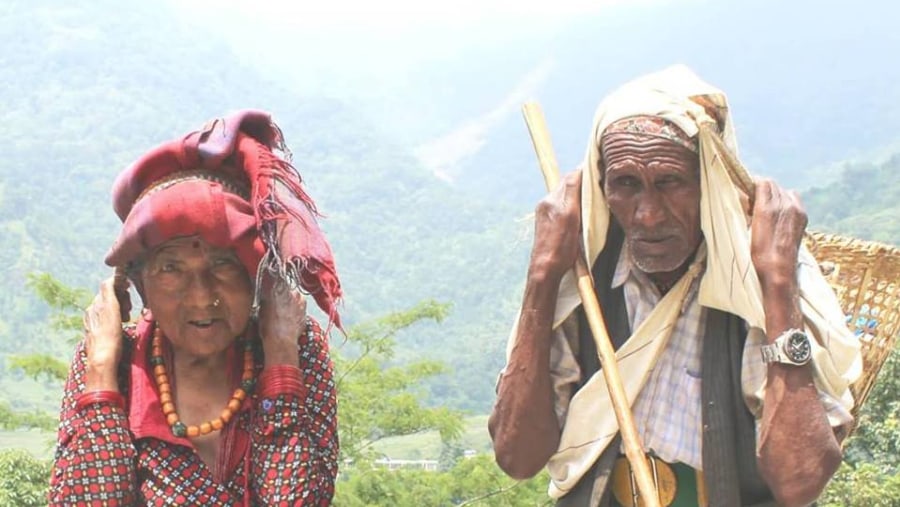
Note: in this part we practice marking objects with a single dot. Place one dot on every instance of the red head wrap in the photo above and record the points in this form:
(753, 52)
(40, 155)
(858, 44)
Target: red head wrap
(225, 184)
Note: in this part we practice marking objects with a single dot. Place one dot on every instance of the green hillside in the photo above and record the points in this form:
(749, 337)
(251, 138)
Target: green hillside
(88, 87)
(85, 93)
(864, 202)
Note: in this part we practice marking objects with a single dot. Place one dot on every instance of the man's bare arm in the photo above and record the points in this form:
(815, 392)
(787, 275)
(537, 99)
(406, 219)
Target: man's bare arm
(523, 424)
(798, 451)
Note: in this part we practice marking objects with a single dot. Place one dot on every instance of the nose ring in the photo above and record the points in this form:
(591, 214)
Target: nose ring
(216, 302)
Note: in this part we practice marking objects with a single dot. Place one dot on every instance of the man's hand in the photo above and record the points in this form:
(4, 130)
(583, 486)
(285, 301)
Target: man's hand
(523, 424)
(797, 451)
(103, 339)
(777, 228)
(282, 317)
(557, 228)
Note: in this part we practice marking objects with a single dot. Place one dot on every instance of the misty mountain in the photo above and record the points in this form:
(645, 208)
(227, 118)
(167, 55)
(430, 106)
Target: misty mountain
(810, 83)
(423, 170)
(88, 93)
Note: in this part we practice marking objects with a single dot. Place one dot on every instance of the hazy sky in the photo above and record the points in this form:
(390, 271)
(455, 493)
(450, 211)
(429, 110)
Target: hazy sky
(350, 38)
(386, 16)
(370, 52)
(442, 76)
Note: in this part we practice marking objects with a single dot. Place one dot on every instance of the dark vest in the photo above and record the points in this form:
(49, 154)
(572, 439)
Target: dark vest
(729, 435)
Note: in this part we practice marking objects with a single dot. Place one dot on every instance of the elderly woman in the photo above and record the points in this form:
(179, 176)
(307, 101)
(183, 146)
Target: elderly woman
(222, 392)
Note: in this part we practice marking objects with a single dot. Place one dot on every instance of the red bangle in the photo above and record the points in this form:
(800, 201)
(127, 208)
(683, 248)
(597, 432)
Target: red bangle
(281, 379)
(90, 397)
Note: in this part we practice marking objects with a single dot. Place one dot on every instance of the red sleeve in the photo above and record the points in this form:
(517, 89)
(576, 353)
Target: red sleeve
(295, 444)
(95, 457)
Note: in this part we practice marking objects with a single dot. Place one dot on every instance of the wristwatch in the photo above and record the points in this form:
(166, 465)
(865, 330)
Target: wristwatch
(792, 347)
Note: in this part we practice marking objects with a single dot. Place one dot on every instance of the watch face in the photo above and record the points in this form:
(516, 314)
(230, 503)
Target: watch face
(797, 348)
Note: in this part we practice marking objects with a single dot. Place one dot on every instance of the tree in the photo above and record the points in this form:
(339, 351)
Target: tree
(476, 481)
(16, 419)
(378, 399)
(870, 475)
(479, 481)
(23, 479)
(862, 485)
(67, 303)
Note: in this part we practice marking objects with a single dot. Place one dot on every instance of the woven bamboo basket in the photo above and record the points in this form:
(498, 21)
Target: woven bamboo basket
(866, 277)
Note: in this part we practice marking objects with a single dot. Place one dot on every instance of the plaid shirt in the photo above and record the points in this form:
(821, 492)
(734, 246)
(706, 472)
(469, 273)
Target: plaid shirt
(667, 411)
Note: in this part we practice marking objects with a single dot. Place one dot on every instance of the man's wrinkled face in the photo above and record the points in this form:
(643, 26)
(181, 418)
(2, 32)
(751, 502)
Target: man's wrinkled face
(653, 189)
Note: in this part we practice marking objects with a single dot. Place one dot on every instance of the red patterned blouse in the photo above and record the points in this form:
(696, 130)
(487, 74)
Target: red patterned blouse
(280, 448)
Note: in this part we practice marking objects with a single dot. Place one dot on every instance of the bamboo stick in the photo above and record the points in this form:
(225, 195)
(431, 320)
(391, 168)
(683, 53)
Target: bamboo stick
(634, 451)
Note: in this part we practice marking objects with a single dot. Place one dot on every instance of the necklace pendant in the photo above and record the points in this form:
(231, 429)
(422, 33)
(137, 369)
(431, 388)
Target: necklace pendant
(179, 429)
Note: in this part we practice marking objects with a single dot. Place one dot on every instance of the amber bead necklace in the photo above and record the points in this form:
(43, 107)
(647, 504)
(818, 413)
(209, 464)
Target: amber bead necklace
(179, 429)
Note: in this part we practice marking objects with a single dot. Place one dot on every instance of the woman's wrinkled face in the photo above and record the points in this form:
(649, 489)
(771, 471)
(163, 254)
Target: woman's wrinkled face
(653, 189)
(200, 295)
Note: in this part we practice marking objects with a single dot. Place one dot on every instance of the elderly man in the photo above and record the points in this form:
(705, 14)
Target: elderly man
(732, 347)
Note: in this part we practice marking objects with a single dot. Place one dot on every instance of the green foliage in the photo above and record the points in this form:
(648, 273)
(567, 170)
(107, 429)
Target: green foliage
(376, 337)
(379, 400)
(473, 481)
(399, 233)
(23, 479)
(59, 296)
(868, 195)
(870, 474)
(428, 444)
(479, 481)
(38, 443)
(13, 419)
(40, 365)
(864, 485)
(877, 437)
(67, 303)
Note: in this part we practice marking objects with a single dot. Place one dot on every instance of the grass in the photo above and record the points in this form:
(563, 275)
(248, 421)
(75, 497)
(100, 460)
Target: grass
(427, 445)
(25, 394)
(38, 443)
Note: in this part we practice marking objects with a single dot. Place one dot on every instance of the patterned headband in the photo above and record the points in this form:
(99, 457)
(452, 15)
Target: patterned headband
(653, 126)
(228, 184)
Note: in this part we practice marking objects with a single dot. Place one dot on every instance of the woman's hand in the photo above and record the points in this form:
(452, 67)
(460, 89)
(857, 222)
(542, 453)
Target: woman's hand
(282, 317)
(103, 339)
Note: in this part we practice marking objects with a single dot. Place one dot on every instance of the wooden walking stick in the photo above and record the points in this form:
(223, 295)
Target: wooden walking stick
(634, 451)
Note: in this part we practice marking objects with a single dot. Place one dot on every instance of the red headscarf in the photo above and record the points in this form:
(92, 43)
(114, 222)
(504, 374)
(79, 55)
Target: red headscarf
(225, 184)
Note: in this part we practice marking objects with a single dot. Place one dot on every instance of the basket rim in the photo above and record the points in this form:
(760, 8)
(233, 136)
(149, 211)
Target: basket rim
(841, 240)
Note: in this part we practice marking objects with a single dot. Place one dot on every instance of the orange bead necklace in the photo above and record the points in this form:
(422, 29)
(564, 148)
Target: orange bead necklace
(179, 429)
